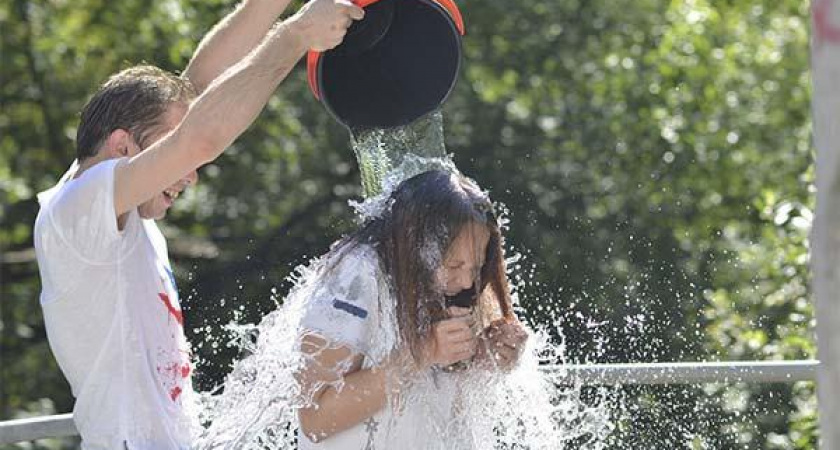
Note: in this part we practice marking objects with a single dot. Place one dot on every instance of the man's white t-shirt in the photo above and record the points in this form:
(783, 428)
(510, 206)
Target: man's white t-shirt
(353, 306)
(113, 318)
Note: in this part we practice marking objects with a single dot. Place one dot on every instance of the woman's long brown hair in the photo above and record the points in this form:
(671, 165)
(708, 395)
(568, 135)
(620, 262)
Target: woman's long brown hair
(424, 216)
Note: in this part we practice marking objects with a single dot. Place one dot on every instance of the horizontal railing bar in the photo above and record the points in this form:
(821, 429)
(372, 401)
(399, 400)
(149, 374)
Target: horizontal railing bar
(35, 428)
(688, 373)
(600, 374)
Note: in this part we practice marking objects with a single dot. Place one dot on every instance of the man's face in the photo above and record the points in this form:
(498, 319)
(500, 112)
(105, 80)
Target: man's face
(157, 206)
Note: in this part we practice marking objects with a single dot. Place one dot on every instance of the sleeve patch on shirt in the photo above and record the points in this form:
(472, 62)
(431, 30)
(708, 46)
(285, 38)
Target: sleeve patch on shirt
(350, 308)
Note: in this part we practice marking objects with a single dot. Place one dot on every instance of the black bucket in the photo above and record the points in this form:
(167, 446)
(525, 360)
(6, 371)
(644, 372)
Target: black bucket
(394, 66)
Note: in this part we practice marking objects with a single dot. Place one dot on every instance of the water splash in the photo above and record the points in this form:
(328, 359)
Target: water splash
(479, 408)
(256, 408)
(526, 408)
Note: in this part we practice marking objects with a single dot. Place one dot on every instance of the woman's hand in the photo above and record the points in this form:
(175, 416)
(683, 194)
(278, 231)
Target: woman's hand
(505, 341)
(451, 340)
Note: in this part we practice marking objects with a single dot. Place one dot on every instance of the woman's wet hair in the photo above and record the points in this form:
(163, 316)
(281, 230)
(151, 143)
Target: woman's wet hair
(412, 236)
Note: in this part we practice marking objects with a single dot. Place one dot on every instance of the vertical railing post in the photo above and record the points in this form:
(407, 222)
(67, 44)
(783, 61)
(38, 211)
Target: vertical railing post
(4, 325)
(825, 238)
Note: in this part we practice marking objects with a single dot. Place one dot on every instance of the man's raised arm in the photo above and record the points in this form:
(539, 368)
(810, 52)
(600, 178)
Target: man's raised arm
(237, 35)
(231, 39)
(230, 103)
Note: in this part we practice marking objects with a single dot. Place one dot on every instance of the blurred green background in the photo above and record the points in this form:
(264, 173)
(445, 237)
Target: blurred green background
(655, 158)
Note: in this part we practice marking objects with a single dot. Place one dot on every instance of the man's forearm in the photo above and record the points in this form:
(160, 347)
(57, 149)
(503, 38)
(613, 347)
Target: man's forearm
(233, 100)
(231, 39)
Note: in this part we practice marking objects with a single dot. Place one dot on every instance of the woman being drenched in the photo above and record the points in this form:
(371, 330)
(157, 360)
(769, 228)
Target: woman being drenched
(406, 321)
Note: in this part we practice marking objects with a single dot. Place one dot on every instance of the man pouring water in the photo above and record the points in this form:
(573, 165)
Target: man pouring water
(109, 299)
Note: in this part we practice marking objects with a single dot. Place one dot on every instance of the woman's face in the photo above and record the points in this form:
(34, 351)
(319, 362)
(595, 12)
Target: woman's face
(464, 258)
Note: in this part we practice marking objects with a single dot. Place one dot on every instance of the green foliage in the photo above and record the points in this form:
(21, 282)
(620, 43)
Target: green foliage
(655, 157)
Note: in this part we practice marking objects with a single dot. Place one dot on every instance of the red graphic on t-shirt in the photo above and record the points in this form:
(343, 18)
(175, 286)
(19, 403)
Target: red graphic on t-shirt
(171, 374)
(824, 29)
(176, 313)
(174, 393)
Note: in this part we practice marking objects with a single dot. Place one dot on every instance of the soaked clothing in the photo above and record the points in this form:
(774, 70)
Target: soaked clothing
(345, 299)
(113, 318)
(353, 306)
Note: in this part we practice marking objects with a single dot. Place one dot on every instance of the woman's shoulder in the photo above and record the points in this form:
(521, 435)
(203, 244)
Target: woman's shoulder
(360, 257)
(352, 267)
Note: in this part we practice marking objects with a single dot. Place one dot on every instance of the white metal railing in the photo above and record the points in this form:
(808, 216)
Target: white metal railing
(35, 428)
(598, 374)
(689, 373)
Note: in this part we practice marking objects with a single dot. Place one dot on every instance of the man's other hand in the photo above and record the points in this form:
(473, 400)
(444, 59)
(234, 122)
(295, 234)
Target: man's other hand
(323, 24)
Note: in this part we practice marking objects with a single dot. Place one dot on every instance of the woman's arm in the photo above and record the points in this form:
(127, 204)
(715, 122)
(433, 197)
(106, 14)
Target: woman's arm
(364, 392)
(361, 396)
